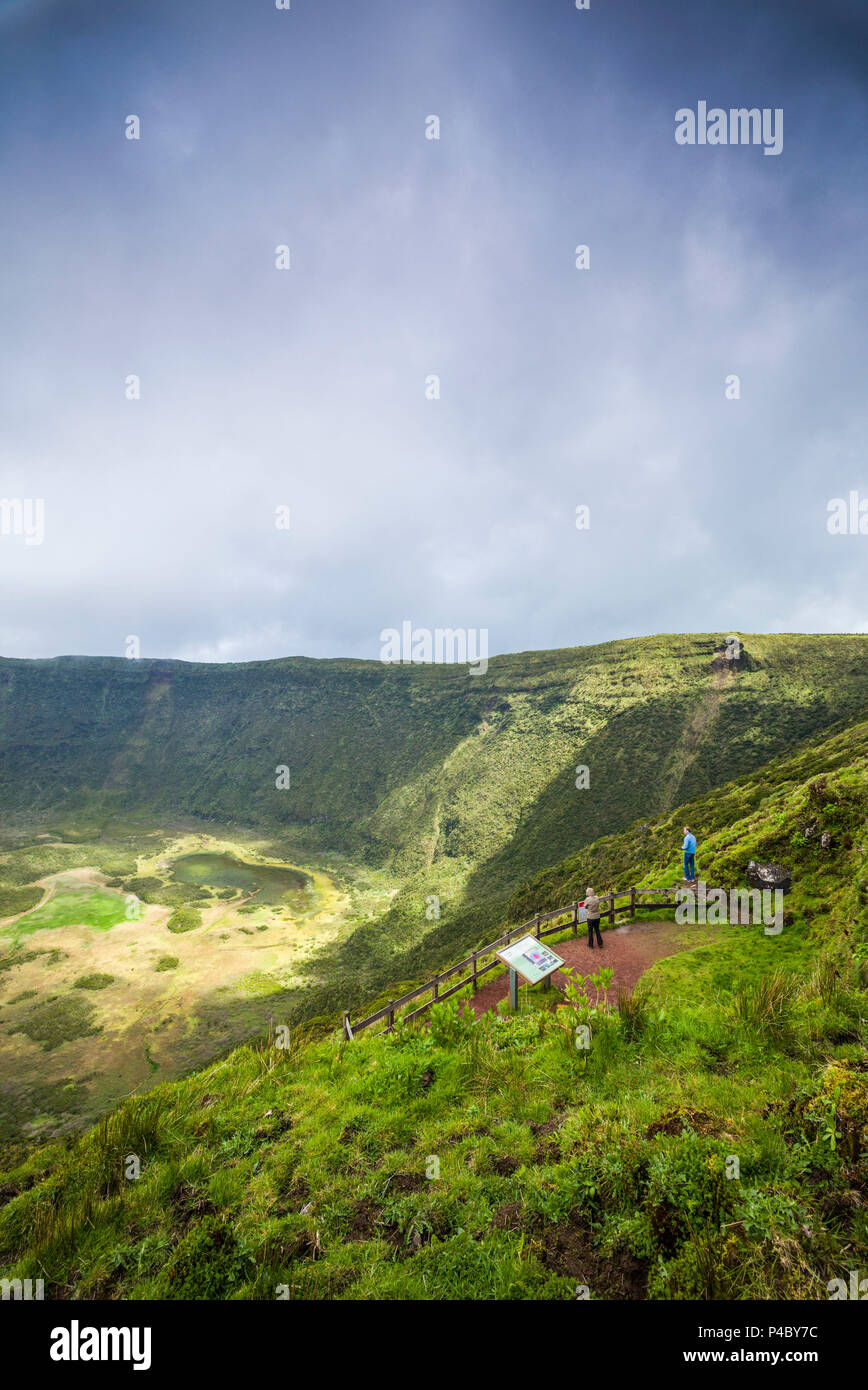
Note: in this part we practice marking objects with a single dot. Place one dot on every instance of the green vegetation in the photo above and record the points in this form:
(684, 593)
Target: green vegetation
(37, 1110)
(711, 1142)
(820, 788)
(458, 785)
(445, 785)
(144, 888)
(185, 919)
(94, 981)
(9, 959)
(484, 1160)
(99, 908)
(57, 1021)
(15, 900)
(187, 1020)
(167, 963)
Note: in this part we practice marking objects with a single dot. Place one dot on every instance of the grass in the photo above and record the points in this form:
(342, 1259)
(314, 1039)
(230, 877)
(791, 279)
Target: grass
(764, 1007)
(463, 790)
(99, 908)
(472, 1160)
(463, 787)
(711, 1143)
(58, 1021)
(15, 900)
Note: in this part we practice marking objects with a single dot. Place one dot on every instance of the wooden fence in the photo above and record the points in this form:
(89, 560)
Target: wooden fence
(473, 964)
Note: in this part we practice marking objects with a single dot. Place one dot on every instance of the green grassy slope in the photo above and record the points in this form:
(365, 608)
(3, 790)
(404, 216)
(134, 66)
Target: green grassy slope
(712, 1143)
(460, 786)
(819, 787)
(647, 854)
(416, 763)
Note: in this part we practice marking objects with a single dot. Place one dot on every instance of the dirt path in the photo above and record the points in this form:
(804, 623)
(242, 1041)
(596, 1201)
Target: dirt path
(628, 949)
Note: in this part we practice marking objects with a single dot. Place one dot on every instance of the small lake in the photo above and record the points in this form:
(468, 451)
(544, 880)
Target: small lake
(269, 883)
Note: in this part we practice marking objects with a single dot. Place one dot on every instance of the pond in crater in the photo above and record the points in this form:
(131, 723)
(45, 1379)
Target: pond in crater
(268, 882)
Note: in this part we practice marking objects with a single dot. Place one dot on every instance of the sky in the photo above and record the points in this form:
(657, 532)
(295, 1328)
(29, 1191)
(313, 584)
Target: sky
(310, 388)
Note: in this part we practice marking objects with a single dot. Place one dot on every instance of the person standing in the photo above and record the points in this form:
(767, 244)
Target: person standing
(592, 907)
(689, 848)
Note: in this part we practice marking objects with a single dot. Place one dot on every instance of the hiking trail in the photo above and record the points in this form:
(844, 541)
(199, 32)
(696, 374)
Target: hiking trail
(629, 949)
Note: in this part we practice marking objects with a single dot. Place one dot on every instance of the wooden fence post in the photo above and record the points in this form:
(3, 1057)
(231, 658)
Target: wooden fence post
(345, 1026)
(632, 904)
(575, 918)
(390, 1017)
(475, 985)
(436, 987)
(537, 926)
(612, 908)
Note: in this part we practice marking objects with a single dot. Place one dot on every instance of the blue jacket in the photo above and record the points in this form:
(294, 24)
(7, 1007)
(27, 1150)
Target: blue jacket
(690, 844)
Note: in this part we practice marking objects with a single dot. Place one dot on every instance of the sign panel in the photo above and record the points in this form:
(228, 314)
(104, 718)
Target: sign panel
(531, 959)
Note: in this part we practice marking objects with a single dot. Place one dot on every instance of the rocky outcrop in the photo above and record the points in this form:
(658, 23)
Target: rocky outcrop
(769, 876)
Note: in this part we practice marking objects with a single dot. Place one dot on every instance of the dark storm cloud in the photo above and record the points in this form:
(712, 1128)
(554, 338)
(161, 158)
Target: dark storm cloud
(413, 257)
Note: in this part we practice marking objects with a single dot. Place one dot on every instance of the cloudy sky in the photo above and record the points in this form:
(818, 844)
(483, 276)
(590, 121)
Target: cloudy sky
(413, 257)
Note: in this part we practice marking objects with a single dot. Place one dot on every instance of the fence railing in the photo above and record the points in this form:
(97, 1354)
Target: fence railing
(473, 964)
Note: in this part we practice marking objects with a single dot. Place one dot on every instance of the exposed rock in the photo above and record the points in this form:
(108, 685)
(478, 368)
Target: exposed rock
(769, 876)
(826, 840)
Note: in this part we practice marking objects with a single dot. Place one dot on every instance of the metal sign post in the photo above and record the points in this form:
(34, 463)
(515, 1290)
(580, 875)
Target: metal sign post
(530, 960)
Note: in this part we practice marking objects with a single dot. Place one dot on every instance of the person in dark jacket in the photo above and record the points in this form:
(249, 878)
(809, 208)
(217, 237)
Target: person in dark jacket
(592, 907)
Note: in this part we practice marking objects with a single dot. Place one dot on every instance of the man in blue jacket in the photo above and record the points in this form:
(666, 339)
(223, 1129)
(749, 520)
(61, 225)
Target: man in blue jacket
(689, 853)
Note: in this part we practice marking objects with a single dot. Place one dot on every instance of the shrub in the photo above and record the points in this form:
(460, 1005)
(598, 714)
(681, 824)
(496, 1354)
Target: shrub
(839, 1109)
(59, 1021)
(687, 1186)
(15, 900)
(144, 888)
(185, 919)
(207, 1263)
(698, 1271)
(450, 1022)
